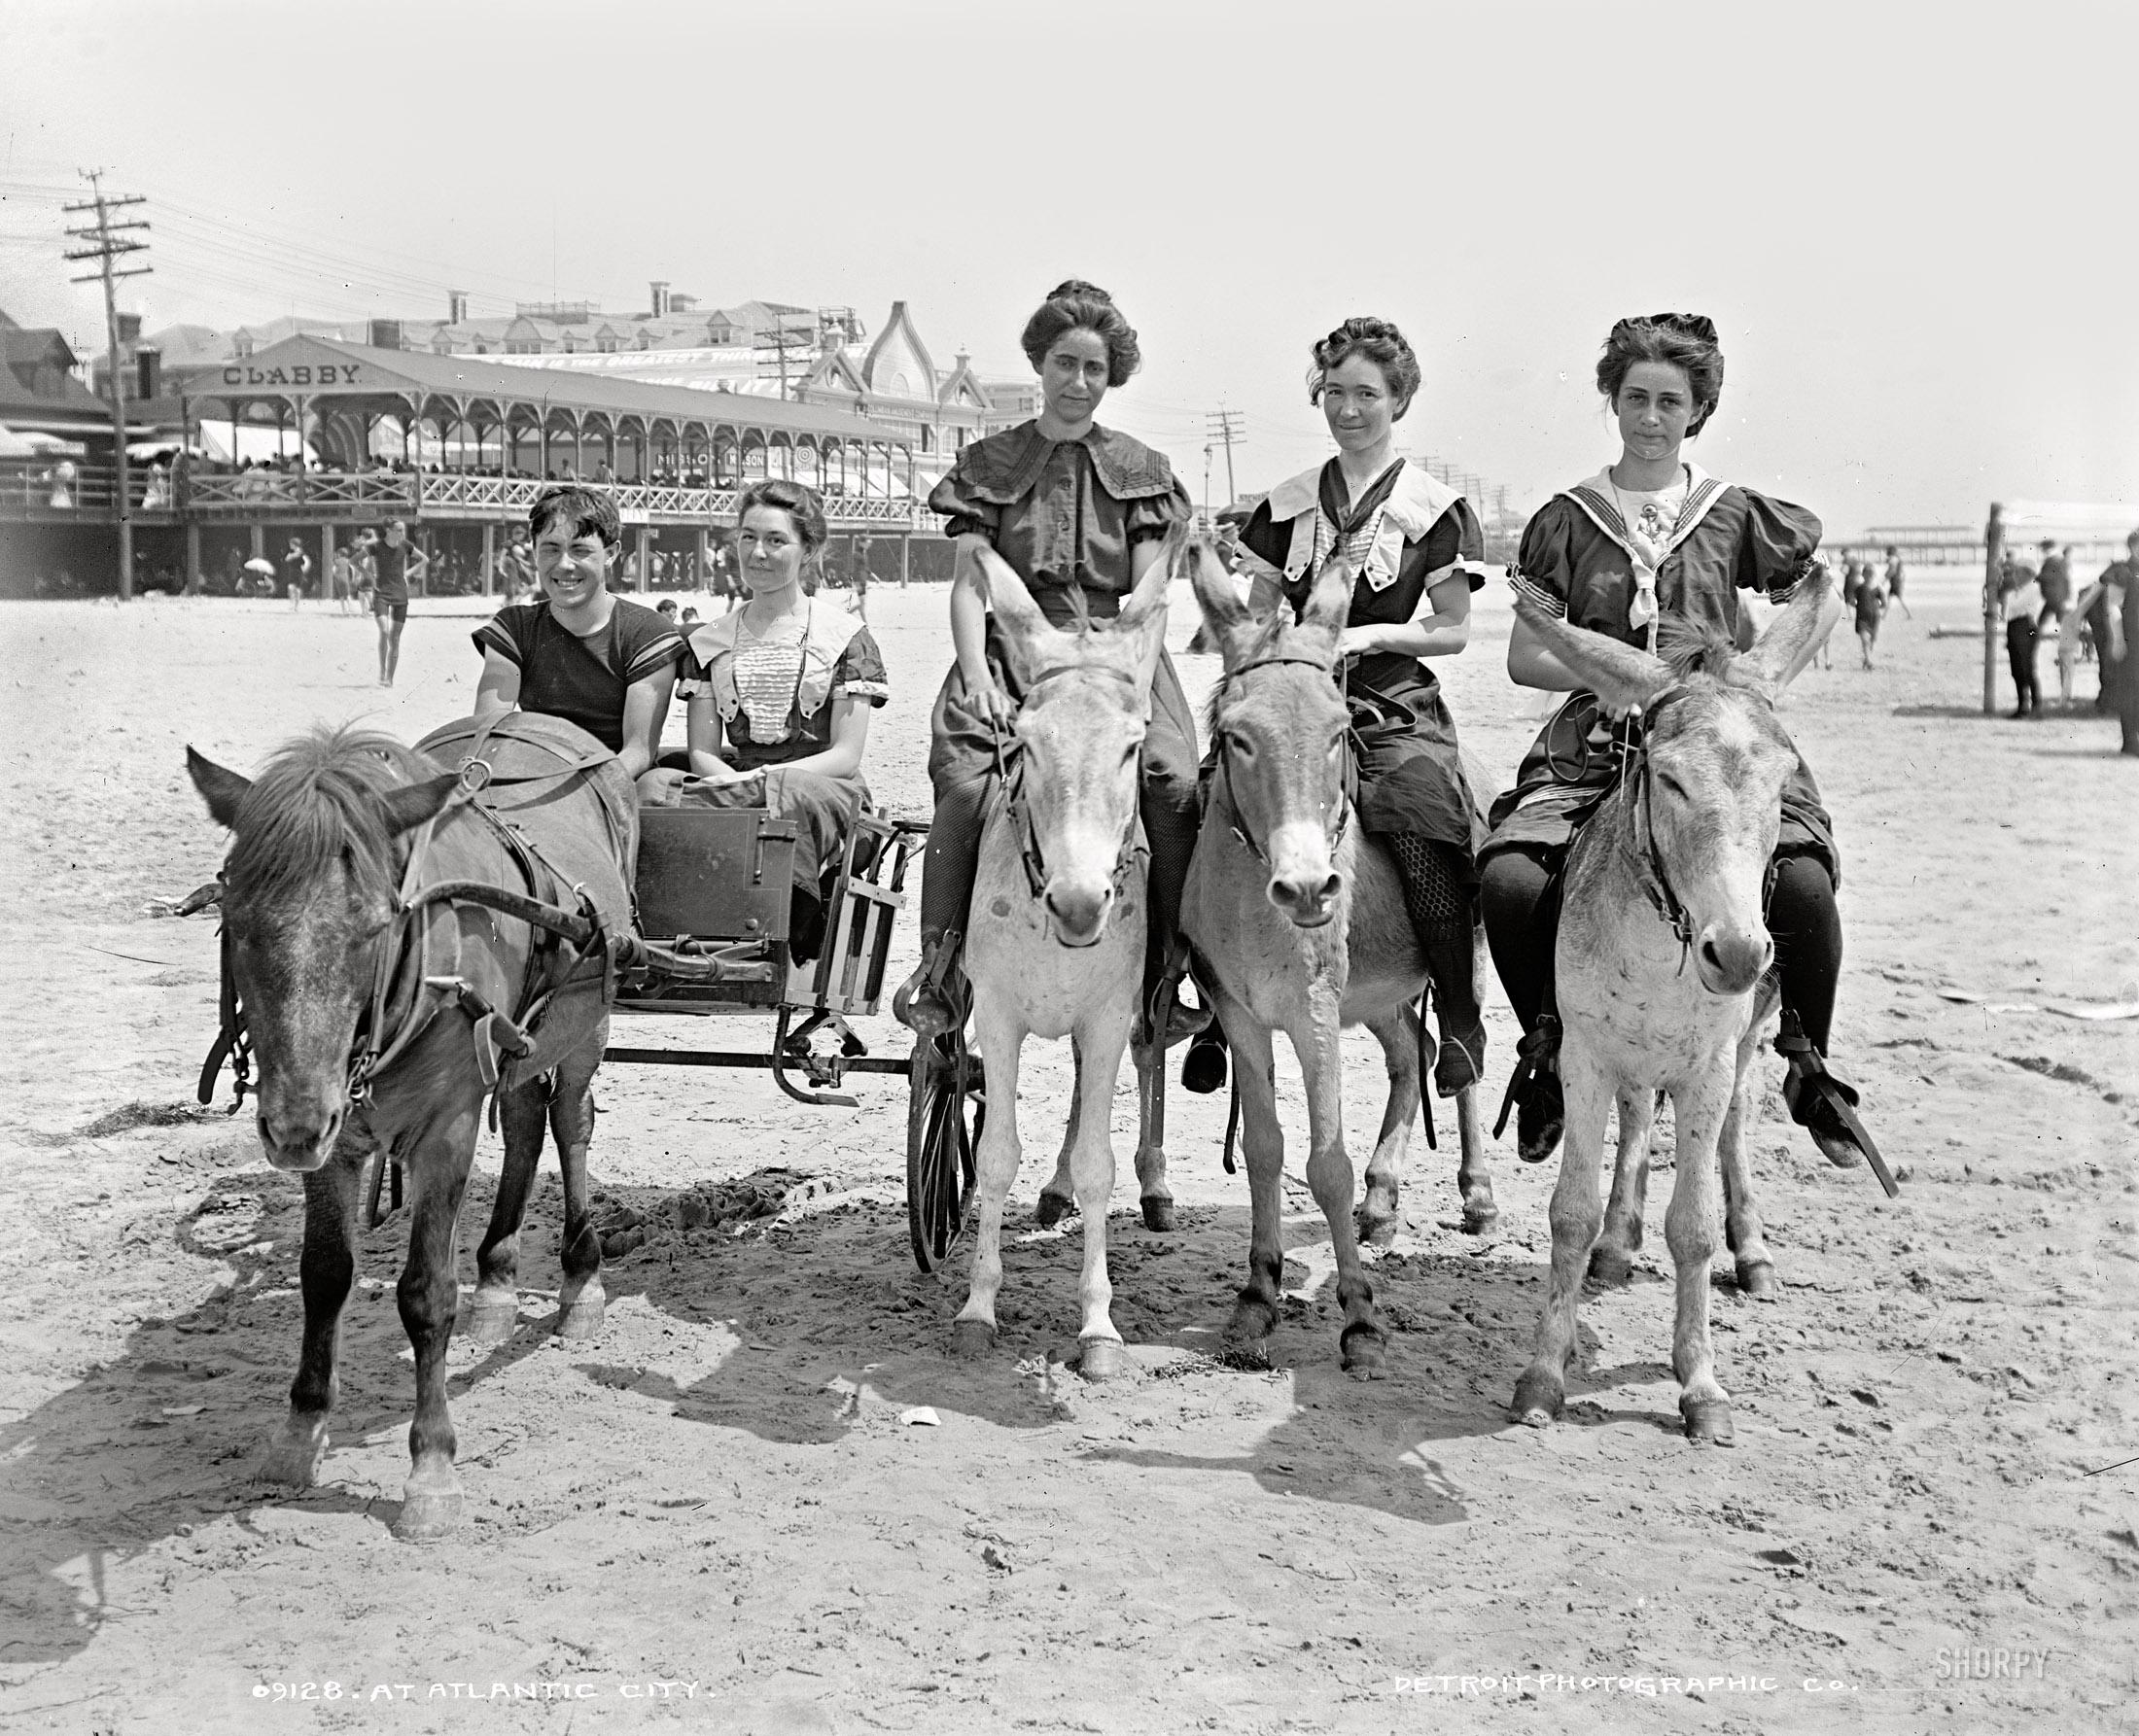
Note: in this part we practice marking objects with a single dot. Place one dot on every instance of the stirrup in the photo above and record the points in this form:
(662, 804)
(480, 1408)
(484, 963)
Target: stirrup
(920, 1002)
(1460, 1062)
(1534, 1085)
(1825, 1104)
(1205, 1069)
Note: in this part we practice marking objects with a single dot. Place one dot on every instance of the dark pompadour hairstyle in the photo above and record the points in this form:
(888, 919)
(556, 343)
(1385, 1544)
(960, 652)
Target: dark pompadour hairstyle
(584, 509)
(1081, 306)
(1684, 340)
(1381, 345)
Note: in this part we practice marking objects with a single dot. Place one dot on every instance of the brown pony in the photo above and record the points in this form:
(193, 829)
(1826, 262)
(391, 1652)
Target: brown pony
(392, 952)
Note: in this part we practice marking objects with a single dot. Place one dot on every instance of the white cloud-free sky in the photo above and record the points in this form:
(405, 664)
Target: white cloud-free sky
(1916, 227)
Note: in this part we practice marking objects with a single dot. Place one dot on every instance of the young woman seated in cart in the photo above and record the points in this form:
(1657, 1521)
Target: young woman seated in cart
(779, 694)
(578, 652)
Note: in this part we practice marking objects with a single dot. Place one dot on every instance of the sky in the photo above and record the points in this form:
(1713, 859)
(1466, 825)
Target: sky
(1917, 227)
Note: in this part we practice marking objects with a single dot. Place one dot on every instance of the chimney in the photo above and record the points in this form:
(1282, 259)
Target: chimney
(658, 302)
(456, 301)
(129, 330)
(386, 334)
(149, 373)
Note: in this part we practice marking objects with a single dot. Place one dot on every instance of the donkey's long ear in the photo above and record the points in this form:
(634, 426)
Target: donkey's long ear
(1217, 593)
(414, 803)
(1142, 618)
(1622, 676)
(222, 790)
(1795, 634)
(1033, 644)
(1330, 601)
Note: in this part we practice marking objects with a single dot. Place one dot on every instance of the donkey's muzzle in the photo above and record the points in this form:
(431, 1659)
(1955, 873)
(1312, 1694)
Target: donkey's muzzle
(1308, 900)
(297, 1143)
(1079, 914)
(1730, 963)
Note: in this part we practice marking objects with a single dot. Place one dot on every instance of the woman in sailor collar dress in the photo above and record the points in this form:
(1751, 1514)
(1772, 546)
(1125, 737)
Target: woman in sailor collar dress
(1079, 512)
(1416, 547)
(779, 694)
(1653, 534)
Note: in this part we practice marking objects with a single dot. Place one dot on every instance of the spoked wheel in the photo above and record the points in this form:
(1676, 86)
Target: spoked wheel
(944, 1112)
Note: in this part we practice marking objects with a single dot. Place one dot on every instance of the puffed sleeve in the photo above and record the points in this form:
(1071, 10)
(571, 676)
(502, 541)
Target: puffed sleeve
(860, 673)
(1151, 516)
(960, 504)
(1456, 543)
(502, 633)
(1779, 546)
(1544, 565)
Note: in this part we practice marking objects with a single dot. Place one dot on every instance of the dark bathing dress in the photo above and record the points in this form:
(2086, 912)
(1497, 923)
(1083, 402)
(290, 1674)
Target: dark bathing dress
(1577, 563)
(1066, 516)
(837, 657)
(1406, 533)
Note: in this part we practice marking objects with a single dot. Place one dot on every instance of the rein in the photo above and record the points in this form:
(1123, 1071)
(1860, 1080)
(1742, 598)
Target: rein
(1011, 773)
(1334, 834)
(1655, 882)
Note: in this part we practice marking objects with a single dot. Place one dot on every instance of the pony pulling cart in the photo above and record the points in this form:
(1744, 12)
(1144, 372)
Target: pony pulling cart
(407, 932)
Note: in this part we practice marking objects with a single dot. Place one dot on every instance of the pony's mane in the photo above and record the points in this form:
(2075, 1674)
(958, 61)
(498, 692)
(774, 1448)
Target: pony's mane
(317, 801)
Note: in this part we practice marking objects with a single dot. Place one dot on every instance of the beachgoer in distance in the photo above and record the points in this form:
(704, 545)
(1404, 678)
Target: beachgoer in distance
(2021, 607)
(1081, 514)
(780, 695)
(1650, 536)
(1894, 582)
(578, 652)
(296, 567)
(1870, 610)
(2054, 579)
(2119, 649)
(395, 562)
(1417, 552)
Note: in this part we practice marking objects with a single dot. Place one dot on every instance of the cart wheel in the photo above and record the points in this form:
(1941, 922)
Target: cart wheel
(944, 1113)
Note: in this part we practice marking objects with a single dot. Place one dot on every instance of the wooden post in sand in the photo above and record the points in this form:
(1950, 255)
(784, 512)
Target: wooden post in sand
(1993, 547)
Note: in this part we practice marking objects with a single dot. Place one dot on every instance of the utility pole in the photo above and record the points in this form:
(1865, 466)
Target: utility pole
(110, 241)
(1227, 425)
(779, 340)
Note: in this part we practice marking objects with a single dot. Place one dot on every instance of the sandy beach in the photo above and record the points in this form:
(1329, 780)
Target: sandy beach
(720, 1492)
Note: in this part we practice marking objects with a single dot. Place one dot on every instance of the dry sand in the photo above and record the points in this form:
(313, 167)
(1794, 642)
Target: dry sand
(719, 1491)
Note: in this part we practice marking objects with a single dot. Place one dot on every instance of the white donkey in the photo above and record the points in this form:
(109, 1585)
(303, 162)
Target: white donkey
(1055, 943)
(1663, 966)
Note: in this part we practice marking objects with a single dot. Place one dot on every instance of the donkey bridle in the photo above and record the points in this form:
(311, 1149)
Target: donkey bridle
(1336, 833)
(1012, 779)
(1656, 881)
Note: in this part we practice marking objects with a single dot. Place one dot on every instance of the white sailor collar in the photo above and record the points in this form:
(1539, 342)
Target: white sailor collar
(1415, 505)
(1599, 498)
(826, 635)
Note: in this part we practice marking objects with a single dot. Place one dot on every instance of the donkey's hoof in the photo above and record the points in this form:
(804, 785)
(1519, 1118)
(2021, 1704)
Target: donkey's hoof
(1376, 1222)
(1102, 1358)
(1158, 1212)
(1052, 1208)
(1539, 1398)
(580, 1315)
(1708, 1420)
(428, 1513)
(1480, 1215)
(492, 1316)
(1757, 1281)
(973, 1340)
(1363, 1351)
(1610, 1265)
(291, 1464)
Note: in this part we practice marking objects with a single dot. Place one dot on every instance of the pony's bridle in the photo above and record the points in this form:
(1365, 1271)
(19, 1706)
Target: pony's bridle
(1335, 833)
(1010, 775)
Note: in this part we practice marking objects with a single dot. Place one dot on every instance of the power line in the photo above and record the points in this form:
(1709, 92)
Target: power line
(108, 243)
(1227, 425)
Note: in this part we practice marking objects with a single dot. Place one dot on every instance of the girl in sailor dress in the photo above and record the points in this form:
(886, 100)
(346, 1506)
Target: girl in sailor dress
(1418, 551)
(1652, 534)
